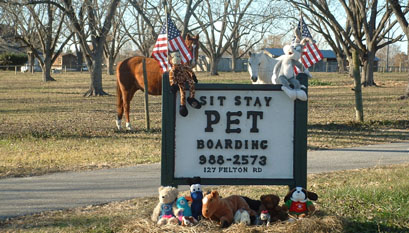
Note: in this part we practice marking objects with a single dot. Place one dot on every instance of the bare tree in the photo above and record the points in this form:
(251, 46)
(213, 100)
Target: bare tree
(213, 22)
(96, 13)
(321, 10)
(365, 30)
(333, 39)
(40, 27)
(149, 16)
(115, 39)
(251, 30)
(49, 35)
(147, 20)
(400, 11)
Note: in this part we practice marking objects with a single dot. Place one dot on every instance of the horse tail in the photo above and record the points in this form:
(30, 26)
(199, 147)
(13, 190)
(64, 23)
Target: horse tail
(119, 99)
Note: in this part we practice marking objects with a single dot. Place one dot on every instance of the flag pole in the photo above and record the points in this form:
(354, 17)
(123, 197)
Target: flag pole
(167, 12)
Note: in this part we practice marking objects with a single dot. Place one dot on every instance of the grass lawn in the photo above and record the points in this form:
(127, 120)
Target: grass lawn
(50, 127)
(367, 200)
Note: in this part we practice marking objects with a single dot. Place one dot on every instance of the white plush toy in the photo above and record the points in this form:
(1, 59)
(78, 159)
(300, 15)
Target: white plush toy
(242, 216)
(284, 70)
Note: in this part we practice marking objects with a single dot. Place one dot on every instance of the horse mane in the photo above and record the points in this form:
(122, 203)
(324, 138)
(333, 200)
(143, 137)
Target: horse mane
(191, 40)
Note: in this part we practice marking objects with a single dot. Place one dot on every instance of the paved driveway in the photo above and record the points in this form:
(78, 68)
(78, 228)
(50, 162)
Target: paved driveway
(21, 196)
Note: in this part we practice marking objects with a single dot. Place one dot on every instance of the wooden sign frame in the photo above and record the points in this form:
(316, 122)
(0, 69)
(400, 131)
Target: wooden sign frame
(169, 111)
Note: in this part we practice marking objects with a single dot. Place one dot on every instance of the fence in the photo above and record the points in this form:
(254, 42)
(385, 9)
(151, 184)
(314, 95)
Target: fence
(27, 69)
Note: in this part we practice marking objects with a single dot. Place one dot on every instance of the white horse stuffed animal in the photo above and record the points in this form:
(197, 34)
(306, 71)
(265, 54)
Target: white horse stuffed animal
(284, 70)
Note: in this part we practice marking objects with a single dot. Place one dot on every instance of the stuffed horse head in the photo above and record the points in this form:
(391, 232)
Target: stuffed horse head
(192, 43)
(211, 204)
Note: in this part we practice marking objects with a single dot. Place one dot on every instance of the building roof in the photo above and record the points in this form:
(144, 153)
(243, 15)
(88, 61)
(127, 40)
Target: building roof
(276, 52)
(279, 51)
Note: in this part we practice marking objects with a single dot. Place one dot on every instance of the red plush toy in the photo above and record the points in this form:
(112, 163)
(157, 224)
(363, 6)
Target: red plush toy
(298, 203)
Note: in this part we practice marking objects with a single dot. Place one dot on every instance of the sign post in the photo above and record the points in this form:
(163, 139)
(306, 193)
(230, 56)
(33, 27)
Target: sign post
(242, 135)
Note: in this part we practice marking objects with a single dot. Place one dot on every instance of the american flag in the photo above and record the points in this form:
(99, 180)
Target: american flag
(312, 54)
(172, 41)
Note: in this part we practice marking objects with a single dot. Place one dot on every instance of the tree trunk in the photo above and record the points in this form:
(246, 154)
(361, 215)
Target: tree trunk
(79, 59)
(341, 64)
(95, 88)
(234, 64)
(359, 109)
(110, 65)
(406, 94)
(31, 62)
(367, 70)
(47, 69)
(213, 66)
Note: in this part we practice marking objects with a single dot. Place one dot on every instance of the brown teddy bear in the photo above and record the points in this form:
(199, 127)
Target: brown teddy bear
(298, 203)
(165, 210)
(223, 209)
(269, 203)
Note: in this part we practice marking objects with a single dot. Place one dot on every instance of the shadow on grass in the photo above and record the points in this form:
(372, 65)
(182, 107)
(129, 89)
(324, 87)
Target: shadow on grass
(95, 224)
(375, 131)
(60, 134)
(351, 225)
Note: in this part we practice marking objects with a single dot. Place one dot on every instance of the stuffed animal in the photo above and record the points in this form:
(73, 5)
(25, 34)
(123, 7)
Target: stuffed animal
(165, 209)
(184, 212)
(223, 209)
(188, 221)
(196, 196)
(183, 208)
(283, 72)
(179, 75)
(265, 218)
(298, 203)
(242, 216)
(270, 202)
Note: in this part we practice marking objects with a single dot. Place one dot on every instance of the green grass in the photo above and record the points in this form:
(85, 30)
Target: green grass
(50, 127)
(367, 200)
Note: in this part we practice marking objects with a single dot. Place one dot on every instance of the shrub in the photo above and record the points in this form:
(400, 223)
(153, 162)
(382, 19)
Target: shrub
(13, 59)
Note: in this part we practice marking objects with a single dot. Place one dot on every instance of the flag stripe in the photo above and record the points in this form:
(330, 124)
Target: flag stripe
(169, 39)
(311, 53)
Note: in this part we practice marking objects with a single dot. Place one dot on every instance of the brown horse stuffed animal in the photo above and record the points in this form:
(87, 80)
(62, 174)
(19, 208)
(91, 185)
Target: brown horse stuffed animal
(223, 209)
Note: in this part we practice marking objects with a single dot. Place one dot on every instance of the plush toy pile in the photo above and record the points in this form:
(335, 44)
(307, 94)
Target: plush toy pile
(175, 210)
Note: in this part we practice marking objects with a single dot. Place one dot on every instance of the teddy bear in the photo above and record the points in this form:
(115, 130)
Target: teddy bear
(269, 203)
(196, 196)
(283, 72)
(184, 212)
(298, 203)
(223, 209)
(179, 75)
(164, 211)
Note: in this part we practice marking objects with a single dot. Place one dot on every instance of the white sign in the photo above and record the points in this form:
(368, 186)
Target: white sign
(236, 134)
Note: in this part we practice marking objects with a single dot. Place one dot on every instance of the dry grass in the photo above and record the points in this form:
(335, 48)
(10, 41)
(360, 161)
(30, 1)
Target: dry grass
(50, 127)
(367, 200)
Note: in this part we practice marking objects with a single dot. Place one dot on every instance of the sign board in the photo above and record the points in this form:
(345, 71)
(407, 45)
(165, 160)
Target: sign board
(242, 134)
